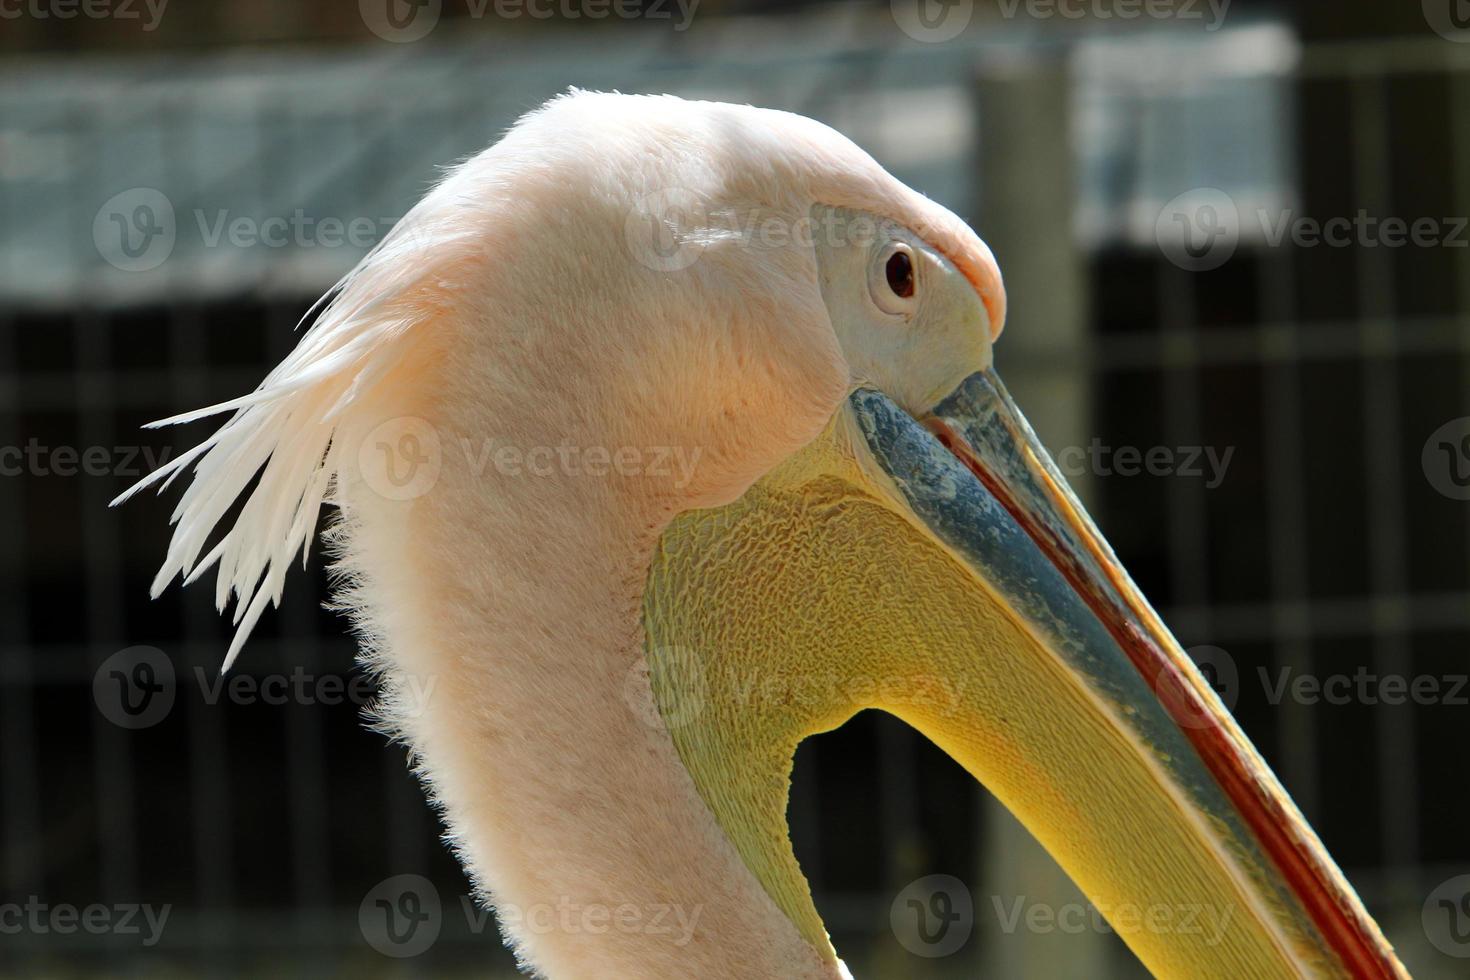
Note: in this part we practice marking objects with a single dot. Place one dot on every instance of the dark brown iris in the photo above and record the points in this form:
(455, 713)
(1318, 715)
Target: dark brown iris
(900, 271)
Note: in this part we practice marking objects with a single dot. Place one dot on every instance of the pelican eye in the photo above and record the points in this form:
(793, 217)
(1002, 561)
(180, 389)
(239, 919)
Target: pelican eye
(893, 279)
(900, 270)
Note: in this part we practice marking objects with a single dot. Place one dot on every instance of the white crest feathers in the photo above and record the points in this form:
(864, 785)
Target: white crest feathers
(284, 429)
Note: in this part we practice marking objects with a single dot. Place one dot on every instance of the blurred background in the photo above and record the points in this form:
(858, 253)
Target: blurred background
(1269, 422)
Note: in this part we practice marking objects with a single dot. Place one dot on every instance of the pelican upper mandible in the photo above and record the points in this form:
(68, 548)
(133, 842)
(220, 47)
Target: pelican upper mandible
(665, 434)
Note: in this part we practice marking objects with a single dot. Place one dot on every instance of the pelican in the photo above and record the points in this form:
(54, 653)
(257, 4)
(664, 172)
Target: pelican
(603, 662)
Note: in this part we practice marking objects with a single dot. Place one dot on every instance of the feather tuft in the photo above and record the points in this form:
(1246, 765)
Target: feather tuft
(282, 435)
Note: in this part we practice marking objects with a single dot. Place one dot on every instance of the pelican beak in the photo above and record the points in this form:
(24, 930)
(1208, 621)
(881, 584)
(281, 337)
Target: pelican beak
(1091, 723)
(934, 565)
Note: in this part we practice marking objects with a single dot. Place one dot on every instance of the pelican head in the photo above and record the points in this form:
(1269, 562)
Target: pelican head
(666, 434)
